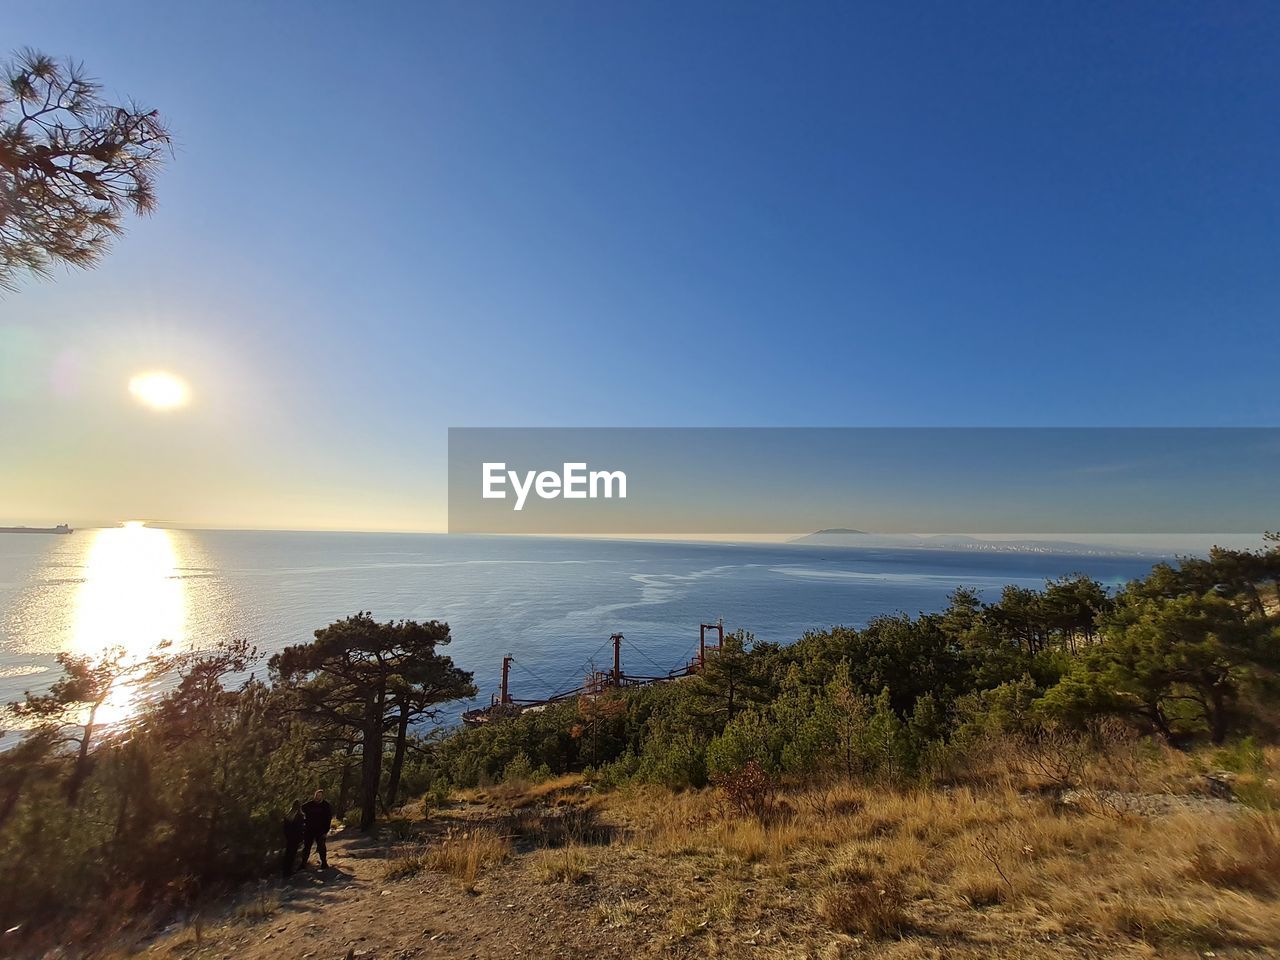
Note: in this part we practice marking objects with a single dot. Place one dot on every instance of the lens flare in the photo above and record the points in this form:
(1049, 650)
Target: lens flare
(159, 390)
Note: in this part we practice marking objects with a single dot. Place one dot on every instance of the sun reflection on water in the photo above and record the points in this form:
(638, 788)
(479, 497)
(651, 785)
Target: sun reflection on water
(131, 599)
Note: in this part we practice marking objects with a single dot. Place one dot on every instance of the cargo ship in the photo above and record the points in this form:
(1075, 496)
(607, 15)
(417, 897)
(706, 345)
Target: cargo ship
(60, 528)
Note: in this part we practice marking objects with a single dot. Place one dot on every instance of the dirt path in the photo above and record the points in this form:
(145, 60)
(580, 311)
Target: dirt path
(351, 910)
(349, 907)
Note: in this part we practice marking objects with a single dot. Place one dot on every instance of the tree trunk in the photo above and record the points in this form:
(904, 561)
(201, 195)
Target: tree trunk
(1255, 598)
(370, 775)
(1156, 716)
(215, 823)
(10, 802)
(397, 758)
(344, 788)
(1218, 721)
(371, 762)
(80, 772)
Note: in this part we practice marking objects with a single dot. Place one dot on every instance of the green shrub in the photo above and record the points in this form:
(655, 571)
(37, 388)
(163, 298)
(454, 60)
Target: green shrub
(518, 770)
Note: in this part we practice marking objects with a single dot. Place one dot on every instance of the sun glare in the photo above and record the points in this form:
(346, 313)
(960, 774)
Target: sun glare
(159, 390)
(131, 599)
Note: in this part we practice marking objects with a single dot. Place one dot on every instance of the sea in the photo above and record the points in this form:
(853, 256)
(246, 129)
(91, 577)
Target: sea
(552, 604)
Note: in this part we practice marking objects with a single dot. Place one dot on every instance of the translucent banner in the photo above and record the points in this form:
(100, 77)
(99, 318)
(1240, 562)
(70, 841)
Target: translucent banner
(724, 481)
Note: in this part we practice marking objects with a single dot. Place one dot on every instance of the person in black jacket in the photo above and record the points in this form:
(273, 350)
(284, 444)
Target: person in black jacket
(319, 818)
(294, 829)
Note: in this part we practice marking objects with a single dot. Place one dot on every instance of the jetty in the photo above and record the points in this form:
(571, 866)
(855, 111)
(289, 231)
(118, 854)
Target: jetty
(503, 705)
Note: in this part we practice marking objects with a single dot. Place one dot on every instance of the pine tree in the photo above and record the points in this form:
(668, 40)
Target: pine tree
(371, 677)
(71, 166)
(730, 680)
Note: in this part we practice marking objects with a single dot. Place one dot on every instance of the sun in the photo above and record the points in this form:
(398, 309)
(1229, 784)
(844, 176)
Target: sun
(159, 390)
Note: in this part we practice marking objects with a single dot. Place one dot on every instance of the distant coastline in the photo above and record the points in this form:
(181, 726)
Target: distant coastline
(60, 528)
(846, 537)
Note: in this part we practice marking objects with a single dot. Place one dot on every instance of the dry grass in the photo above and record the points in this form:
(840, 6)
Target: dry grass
(867, 906)
(406, 862)
(462, 855)
(876, 863)
(518, 794)
(992, 866)
(562, 865)
(720, 907)
(1244, 856)
(620, 912)
(263, 904)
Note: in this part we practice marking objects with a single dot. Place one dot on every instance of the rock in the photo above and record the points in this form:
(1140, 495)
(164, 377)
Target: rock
(1219, 784)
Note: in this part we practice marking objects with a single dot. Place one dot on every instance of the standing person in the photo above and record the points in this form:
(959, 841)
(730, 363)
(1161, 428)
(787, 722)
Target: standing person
(294, 829)
(319, 818)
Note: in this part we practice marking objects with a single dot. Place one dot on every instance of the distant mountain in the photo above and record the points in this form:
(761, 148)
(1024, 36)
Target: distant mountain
(846, 537)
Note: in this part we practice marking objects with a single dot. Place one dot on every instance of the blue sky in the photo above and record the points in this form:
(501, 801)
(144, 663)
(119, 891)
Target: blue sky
(383, 220)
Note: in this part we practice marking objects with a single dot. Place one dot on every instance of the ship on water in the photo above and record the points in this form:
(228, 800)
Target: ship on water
(60, 528)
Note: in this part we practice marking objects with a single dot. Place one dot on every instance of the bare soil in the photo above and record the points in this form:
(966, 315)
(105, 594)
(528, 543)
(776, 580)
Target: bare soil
(351, 910)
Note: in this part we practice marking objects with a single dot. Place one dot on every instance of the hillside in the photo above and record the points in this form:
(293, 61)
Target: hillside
(1061, 772)
(1013, 865)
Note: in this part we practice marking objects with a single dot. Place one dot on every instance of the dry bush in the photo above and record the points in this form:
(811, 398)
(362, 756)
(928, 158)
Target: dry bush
(406, 862)
(263, 904)
(872, 906)
(1055, 756)
(562, 865)
(524, 823)
(988, 761)
(574, 824)
(828, 800)
(749, 792)
(463, 855)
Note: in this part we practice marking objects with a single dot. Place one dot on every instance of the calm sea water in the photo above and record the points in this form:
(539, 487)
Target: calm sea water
(552, 604)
